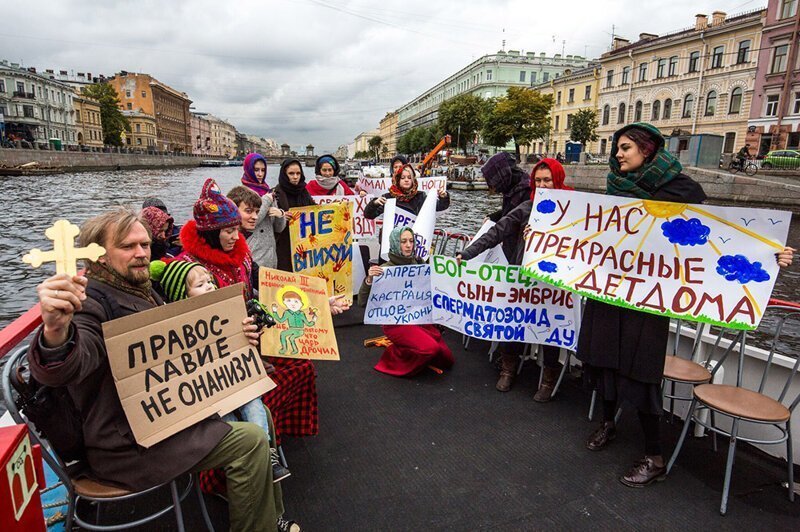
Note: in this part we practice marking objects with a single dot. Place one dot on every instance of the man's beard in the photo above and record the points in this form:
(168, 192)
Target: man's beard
(138, 277)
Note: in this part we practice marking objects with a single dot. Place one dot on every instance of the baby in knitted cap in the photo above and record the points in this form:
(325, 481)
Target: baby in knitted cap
(180, 279)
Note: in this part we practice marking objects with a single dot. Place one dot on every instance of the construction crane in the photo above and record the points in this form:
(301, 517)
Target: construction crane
(428, 160)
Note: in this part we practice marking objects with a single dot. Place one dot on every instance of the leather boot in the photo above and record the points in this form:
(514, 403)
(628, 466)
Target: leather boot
(600, 438)
(508, 370)
(549, 379)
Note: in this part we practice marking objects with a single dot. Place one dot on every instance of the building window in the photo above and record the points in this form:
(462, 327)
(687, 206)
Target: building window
(533, 77)
(626, 72)
(129, 106)
(711, 103)
(772, 105)
(144, 94)
(788, 8)
(643, 72)
(489, 75)
(673, 65)
(606, 114)
(546, 77)
(688, 103)
(20, 86)
(571, 96)
(569, 122)
(522, 74)
(694, 62)
(603, 146)
(127, 94)
(730, 142)
(661, 66)
(796, 109)
(558, 121)
(610, 78)
(587, 93)
(138, 128)
(558, 98)
(716, 57)
(637, 111)
(3, 110)
(743, 55)
(27, 111)
(779, 58)
(621, 114)
(656, 110)
(3, 86)
(736, 101)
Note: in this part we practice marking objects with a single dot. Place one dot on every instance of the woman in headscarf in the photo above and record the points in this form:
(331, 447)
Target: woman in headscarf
(404, 190)
(397, 162)
(291, 192)
(160, 224)
(327, 182)
(623, 350)
(510, 231)
(255, 173)
(414, 347)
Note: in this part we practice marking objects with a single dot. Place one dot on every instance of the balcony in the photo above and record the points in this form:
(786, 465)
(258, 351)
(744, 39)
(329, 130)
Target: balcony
(25, 95)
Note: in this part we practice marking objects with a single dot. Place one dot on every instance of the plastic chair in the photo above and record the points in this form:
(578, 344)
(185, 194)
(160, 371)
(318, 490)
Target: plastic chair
(743, 405)
(91, 490)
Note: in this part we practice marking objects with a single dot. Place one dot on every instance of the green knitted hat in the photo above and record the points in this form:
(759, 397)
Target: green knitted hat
(172, 277)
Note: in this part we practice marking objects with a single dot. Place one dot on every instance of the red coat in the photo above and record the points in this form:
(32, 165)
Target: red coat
(235, 266)
(341, 189)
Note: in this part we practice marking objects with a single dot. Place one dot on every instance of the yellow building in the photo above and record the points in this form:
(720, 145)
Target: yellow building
(572, 92)
(698, 80)
(362, 140)
(143, 133)
(388, 132)
(87, 120)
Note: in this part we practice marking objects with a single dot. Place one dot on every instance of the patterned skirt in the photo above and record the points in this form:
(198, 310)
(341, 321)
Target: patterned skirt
(293, 404)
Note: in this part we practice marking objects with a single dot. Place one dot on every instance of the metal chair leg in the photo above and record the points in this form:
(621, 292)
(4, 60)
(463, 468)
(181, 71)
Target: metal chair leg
(723, 508)
(564, 369)
(790, 460)
(591, 404)
(686, 424)
(282, 457)
(70, 510)
(176, 502)
(713, 432)
(617, 415)
(203, 508)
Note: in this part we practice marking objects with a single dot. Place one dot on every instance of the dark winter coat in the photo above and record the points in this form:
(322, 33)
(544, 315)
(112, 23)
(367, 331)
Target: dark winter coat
(507, 231)
(288, 196)
(111, 450)
(374, 209)
(633, 343)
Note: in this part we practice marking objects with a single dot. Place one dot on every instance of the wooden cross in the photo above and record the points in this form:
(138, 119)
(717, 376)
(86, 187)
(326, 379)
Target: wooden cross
(64, 252)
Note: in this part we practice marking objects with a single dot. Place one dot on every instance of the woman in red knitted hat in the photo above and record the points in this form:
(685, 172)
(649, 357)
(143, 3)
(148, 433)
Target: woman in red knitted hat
(548, 173)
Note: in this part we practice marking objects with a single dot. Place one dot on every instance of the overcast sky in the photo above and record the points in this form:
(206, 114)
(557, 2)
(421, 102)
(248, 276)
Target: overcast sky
(317, 71)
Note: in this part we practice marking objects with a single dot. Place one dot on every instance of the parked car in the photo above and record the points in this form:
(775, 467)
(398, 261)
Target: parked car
(781, 159)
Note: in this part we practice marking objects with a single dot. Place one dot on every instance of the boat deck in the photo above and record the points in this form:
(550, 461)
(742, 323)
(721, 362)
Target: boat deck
(450, 453)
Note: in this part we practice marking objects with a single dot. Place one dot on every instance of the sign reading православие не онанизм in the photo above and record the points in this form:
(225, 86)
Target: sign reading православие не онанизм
(698, 262)
(177, 364)
(496, 302)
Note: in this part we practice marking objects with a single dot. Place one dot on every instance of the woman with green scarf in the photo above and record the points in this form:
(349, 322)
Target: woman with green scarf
(623, 350)
(414, 347)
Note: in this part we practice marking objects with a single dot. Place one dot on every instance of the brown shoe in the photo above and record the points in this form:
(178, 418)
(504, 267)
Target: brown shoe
(549, 379)
(643, 473)
(505, 381)
(600, 438)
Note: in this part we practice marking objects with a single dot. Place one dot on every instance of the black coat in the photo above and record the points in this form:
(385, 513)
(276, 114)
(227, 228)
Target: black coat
(513, 199)
(283, 245)
(631, 342)
(507, 231)
(374, 209)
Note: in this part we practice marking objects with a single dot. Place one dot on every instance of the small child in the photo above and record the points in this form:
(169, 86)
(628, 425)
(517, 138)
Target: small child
(181, 279)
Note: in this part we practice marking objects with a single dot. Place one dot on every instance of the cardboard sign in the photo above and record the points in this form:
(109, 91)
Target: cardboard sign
(695, 262)
(380, 185)
(177, 364)
(362, 227)
(494, 255)
(300, 306)
(497, 302)
(401, 296)
(322, 245)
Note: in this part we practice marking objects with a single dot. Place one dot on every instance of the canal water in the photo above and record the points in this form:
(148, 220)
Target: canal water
(33, 203)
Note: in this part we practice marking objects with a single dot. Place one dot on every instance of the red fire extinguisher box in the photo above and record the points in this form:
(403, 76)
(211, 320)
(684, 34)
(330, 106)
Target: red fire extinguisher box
(20, 504)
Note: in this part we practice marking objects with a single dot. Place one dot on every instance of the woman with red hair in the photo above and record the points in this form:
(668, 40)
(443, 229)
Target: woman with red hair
(548, 173)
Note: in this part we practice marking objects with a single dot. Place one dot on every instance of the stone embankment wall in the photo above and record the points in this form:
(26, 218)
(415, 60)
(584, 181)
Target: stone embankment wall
(776, 191)
(89, 161)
